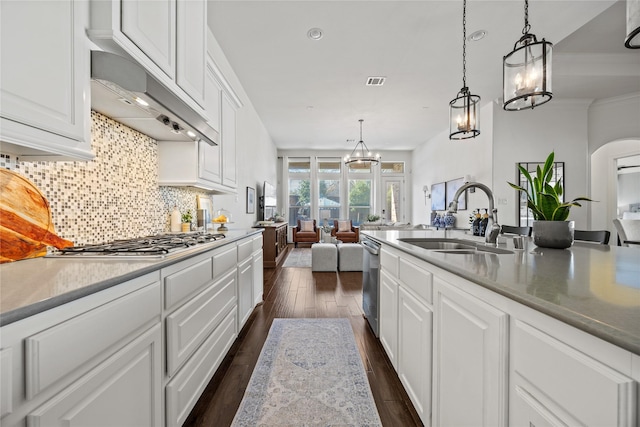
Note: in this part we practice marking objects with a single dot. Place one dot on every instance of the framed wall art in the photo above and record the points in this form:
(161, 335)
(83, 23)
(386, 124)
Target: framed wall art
(452, 187)
(438, 196)
(251, 200)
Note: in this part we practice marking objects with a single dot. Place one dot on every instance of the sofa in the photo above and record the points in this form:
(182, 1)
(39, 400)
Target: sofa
(345, 231)
(306, 231)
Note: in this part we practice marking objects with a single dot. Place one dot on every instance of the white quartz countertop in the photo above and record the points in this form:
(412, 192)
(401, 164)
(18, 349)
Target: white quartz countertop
(595, 288)
(31, 286)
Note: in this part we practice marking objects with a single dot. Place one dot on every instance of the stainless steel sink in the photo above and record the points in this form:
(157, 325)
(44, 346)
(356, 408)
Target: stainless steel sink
(454, 246)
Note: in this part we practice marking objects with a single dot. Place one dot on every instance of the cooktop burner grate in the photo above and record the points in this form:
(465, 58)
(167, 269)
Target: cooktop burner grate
(158, 245)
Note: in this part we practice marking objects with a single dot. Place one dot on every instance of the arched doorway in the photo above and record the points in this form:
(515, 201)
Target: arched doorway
(604, 183)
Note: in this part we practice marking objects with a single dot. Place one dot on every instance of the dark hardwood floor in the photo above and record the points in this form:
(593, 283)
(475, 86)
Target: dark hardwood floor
(298, 292)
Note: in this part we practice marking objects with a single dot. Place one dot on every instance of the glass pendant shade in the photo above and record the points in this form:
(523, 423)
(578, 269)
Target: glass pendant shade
(632, 40)
(464, 115)
(527, 74)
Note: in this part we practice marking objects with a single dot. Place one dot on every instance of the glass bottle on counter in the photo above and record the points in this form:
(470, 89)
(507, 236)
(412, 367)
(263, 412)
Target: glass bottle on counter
(475, 226)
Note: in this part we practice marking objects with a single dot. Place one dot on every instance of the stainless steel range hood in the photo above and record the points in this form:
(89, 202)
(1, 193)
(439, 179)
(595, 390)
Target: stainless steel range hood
(124, 91)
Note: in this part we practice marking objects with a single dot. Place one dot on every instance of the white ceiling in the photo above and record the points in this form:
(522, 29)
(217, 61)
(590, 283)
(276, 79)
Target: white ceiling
(310, 94)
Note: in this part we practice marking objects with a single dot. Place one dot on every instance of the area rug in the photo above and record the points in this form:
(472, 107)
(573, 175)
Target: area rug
(298, 257)
(309, 373)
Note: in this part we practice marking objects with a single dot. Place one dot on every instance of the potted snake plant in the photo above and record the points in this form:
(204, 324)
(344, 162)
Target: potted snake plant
(551, 229)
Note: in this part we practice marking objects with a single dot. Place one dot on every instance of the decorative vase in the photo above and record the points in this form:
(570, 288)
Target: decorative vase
(449, 220)
(553, 234)
(326, 237)
(186, 227)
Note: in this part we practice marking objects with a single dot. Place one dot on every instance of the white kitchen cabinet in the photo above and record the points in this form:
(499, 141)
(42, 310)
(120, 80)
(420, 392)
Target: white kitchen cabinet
(191, 17)
(406, 324)
(553, 383)
(388, 321)
(415, 323)
(185, 388)
(228, 137)
(168, 38)
(74, 363)
(193, 322)
(213, 84)
(470, 365)
(120, 391)
(151, 26)
(245, 290)
(192, 164)
(45, 91)
(257, 259)
(245, 281)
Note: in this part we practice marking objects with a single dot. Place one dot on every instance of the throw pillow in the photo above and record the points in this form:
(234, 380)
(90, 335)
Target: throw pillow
(306, 225)
(344, 226)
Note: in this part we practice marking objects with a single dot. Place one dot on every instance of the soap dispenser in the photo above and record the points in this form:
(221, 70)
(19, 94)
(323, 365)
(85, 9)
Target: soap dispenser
(476, 223)
(484, 222)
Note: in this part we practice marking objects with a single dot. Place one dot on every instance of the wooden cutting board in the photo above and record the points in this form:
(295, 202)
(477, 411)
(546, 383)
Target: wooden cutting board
(26, 226)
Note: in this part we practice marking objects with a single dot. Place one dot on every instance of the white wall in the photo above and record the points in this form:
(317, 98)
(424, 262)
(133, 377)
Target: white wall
(604, 177)
(614, 119)
(440, 160)
(529, 136)
(256, 152)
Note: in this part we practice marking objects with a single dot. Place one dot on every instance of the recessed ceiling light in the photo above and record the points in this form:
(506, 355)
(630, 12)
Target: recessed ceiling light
(191, 134)
(477, 35)
(314, 34)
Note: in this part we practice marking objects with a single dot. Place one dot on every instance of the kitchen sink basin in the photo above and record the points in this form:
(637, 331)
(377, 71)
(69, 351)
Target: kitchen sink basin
(454, 246)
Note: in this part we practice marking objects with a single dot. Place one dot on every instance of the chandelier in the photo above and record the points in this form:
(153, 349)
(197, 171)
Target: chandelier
(464, 110)
(526, 71)
(361, 153)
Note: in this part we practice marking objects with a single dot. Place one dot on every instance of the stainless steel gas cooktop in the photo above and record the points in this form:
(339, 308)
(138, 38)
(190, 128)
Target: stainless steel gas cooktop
(157, 246)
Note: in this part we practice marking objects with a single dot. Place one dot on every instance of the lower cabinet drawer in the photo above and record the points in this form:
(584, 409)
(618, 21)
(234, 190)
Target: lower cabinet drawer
(121, 391)
(188, 326)
(245, 249)
(86, 340)
(419, 280)
(225, 259)
(555, 384)
(184, 390)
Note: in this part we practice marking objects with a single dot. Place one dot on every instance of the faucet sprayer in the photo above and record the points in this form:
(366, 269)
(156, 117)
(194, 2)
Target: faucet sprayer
(491, 235)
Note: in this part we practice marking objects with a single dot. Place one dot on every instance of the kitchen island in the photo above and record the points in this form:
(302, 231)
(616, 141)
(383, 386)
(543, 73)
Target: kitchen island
(123, 341)
(517, 337)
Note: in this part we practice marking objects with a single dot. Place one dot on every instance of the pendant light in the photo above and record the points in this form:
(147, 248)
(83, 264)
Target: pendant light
(527, 71)
(464, 110)
(361, 153)
(632, 41)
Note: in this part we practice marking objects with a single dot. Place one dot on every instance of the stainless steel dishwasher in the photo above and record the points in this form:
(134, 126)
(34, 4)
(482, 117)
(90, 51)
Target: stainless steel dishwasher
(371, 282)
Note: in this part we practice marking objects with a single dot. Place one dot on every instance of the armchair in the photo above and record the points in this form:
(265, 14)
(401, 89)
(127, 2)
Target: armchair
(305, 232)
(345, 231)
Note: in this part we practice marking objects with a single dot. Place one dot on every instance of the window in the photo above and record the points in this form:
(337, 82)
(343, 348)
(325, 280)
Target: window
(329, 174)
(324, 188)
(525, 216)
(359, 200)
(299, 189)
(392, 167)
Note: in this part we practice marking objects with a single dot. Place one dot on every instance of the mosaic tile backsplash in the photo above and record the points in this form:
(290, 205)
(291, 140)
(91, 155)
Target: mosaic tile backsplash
(114, 196)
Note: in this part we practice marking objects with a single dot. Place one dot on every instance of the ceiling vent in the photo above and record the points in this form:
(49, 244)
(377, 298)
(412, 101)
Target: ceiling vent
(375, 81)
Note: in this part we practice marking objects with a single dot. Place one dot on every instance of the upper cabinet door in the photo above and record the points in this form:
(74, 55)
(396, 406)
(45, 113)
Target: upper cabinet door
(228, 142)
(45, 77)
(192, 49)
(151, 25)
